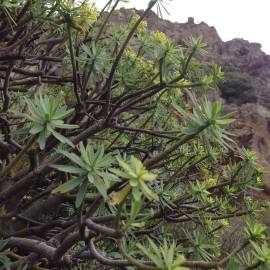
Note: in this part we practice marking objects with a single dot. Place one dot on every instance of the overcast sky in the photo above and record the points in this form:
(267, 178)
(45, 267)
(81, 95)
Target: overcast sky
(248, 19)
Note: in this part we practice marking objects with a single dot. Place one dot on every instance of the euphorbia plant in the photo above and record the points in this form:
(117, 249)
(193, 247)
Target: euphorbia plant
(117, 144)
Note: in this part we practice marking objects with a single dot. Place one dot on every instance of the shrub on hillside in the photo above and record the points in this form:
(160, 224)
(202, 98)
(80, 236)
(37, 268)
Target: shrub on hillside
(114, 158)
(237, 87)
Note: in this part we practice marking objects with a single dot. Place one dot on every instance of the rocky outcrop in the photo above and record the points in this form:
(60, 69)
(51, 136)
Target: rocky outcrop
(247, 86)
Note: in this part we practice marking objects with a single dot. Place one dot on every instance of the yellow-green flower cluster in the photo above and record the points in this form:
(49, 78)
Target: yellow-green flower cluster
(158, 38)
(83, 17)
(224, 222)
(142, 28)
(211, 182)
(144, 68)
(259, 182)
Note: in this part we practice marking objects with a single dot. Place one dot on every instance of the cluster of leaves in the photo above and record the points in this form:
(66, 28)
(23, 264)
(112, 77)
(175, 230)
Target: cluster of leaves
(163, 256)
(91, 168)
(79, 16)
(46, 115)
(123, 146)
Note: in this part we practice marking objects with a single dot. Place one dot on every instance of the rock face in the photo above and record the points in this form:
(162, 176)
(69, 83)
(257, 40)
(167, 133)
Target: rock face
(247, 86)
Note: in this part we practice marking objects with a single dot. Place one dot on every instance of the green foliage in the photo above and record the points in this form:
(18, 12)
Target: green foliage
(91, 168)
(6, 6)
(196, 44)
(255, 231)
(46, 115)
(236, 85)
(262, 253)
(98, 61)
(206, 120)
(3, 254)
(202, 247)
(165, 257)
(78, 15)
(199, 190)
(137, 175)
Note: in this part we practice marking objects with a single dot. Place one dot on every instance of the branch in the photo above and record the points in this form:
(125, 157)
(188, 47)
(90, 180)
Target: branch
(5, 87)
(70, 240)
(108, 85)
(165, 153)
(102, 229)
(73, 62)
(33, 246)
(150, 132)
(104, 260)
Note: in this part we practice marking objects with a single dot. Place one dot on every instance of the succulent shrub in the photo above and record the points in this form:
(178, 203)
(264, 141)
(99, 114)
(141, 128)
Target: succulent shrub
(117, 159)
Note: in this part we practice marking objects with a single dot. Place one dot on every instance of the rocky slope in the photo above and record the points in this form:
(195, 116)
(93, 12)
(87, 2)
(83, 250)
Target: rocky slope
(247, 86)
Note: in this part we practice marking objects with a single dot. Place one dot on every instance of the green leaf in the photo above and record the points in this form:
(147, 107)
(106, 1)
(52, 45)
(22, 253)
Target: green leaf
(101, 188)
(155, 258)
(73, 157)
(36, 114)
(148, 192)
(84, 152)
(61, 138)
(36, 129)
(136, 193)
(62, 114)
(118, 172)
(3, 244)
(42, 140)
(45, 107)
(53, 106)
(224, 121)
(70, 185)
(148, 177)
(154, 248)
(6, 264)
(65, 126)
(180, 260)
(124, 165)
(135, 209)
(45, 117)
(81, 194)
(91, 178)
(68, 169)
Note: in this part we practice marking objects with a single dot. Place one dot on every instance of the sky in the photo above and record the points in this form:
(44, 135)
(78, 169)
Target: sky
(247, 19)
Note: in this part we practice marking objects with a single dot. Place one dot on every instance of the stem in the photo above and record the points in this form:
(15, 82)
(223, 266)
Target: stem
(164, 154)
(182, 75)
(108, 85)
(17, 158)
(235, 251)
(73, 62)
(86, 77)
(6, 86)
(102, 229)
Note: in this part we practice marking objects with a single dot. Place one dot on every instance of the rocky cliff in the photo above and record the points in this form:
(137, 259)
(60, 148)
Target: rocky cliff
(247, 87)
